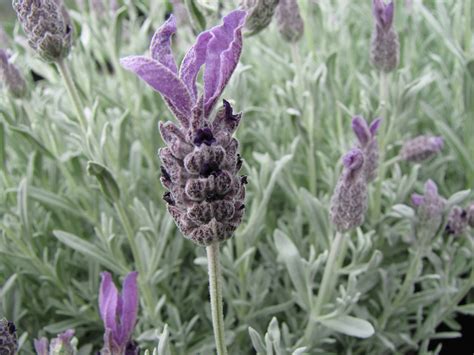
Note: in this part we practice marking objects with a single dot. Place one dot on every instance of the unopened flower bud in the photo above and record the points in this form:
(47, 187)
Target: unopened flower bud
(289, 21)
(367, 142)
(430, 206)
(458, 220)
(349, 201)
(384, 53)
(259, 14)
(47, 26)
(11, 77)
(421, 148)
(8, 339)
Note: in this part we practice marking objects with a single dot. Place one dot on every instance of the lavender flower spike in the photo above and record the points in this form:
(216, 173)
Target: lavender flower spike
(458, 221)
(11, 76)
(119, 314)
(200, 163)
(64, 344)
(47, 26)
(289, 21)
(367, 142)
(349, 201)
(421, 148)
(260, 14)
(385, 49)
(8, 339)
(430, 206)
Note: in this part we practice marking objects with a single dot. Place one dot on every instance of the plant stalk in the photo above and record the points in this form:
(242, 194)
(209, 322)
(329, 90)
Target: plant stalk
(73, 94)
(215, 291)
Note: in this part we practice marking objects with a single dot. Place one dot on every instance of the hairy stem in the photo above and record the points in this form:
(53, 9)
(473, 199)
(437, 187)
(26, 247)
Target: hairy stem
(73, 94)
(215, 291)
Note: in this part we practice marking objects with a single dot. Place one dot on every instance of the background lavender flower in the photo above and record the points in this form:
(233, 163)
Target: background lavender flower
(421, 148)
(63, 344)
(367, 142)
(10, 76)
(289, 21)
(200, 162)
(8, 340)
(119, 313)
(260, 14)
(47, 26)
(458, 220)
(384, 53)
(349, 201)
(470, 215)
(430, 206)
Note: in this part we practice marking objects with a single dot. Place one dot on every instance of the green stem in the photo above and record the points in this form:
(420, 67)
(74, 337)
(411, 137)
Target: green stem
(135, 253)
(215, 291)
(73, 94)
(383, 103)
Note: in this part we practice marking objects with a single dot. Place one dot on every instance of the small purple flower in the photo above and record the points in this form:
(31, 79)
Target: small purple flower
(458, 221)
(349, 201)
(421, 148)
(63, 344)
(430, 206)
(385, 46)
(367, 142)
(10, 76)
(289, 21)
(200, 163)
(118, 312)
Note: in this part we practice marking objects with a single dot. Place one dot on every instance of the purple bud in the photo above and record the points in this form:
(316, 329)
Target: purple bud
(260, 14)
(349, 201)
(289, 21)
(458, 221)
(8, 339)
(367, 142)
(385, 48)
(47, 26)
(11, 76)
(421, 148)
(430, 206)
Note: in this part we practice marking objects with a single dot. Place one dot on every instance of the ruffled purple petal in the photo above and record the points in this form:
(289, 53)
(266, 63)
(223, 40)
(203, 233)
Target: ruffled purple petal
(160, 46)
(41, 346)
(223, 53)
(129, 311)
(164, 81)
(361, 130)
(353, 159)
(108, 298)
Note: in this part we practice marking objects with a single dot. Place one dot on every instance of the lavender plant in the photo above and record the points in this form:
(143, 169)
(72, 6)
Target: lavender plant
(78, 200)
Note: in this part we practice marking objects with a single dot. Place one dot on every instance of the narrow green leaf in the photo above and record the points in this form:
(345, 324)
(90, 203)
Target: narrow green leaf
(348, 325)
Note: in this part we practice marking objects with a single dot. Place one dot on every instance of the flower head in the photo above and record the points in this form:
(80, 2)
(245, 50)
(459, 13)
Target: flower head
(349, 201)
(8, 340)
(200, 163)
(421, 148)
(260, 14)
(458, 220)
(11, 76)
(118, 312)
(47, 26)
(63, 344)
(289, 21)
(385, 48)
(430, 206)
(367, 142)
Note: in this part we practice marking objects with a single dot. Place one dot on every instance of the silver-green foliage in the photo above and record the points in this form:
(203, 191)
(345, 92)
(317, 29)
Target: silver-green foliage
(59, 229)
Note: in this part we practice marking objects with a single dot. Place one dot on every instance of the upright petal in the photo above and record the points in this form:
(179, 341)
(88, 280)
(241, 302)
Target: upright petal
(129, 312)
(160, 46)
(223, 53)
(41, 346)
(164, 81)
(361, 130)
(374, 126)
(193, 61)
(108, 297)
